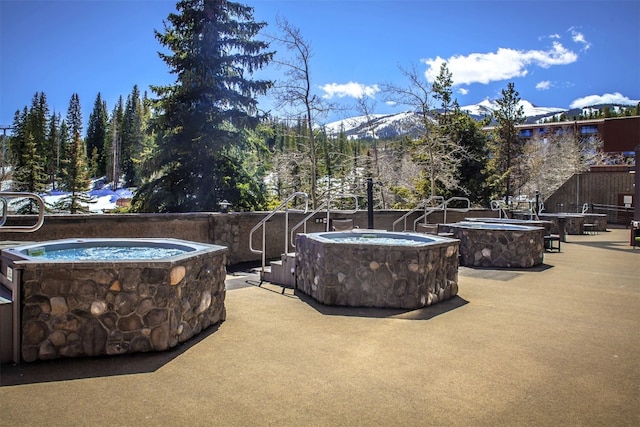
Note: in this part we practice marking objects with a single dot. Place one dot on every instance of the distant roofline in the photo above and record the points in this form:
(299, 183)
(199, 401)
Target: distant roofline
(566, 123)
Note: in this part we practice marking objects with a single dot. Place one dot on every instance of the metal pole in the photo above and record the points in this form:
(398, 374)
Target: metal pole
(4, 147)
(370, 203)
(636, 194)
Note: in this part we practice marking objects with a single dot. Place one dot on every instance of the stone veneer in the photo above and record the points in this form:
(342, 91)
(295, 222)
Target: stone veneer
(498, 245)
(573, 223)
(599, 221)
(365, 275)
(107, 308)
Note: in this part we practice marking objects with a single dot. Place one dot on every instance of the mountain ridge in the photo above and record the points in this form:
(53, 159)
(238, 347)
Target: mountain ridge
(396, 124)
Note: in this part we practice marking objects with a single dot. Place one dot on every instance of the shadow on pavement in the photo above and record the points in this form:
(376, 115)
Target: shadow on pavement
(374, 312)
(93, 367)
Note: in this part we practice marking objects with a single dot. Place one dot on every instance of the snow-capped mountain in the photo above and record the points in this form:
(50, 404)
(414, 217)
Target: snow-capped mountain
(391, 125)
(487, 107)
(378, 125)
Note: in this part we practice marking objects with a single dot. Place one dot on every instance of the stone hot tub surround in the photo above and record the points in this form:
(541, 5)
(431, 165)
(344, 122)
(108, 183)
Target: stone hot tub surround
(498, 245)
(91, 308)
(370, 273)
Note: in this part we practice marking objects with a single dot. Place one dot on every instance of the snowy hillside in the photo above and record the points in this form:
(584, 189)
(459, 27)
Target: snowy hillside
(487, 107)
(392, 125)
(380, 125)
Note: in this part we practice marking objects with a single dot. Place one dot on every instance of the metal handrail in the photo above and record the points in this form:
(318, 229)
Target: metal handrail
(443, 207)
(5, 209)
(499, 205)
(21, 228)
(455, 199)
(264, 220)
(420, 205)
(327, 205)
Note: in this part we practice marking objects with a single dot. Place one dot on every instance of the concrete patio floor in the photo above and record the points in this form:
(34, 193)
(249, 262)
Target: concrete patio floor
(553, 346)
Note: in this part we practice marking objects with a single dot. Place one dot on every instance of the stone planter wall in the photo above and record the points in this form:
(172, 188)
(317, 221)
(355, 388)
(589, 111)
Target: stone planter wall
(81, 309)
(361, 275)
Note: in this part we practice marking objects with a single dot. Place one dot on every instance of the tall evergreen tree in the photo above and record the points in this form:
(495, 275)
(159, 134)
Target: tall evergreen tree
(52, 163)
(202, 116)
(467, 134)
(74, 116)
(133, 137)
(18, 138)
(31, 176)
(506, 144)
(97, 136)
(112, 149)
(443, 91)
(37, 122)
(75, 178)
(472, 171)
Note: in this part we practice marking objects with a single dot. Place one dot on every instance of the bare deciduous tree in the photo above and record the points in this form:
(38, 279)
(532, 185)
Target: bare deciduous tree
(552, 159)
(295, 90)
(432, 147)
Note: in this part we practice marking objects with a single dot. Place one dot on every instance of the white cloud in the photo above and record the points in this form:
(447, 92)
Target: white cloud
(607, 98)
(578, 37)
(351, 89)
(503, 64)
(544, 85)
(463, 91)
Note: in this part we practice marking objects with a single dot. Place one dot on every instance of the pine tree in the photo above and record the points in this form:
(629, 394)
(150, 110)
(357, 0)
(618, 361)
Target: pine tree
(30, 177)
(97, 136)
(37, 123)
(202, 117)
(74, 116)
(51, 164)
(112, 147)
(74, 168)
(132, 136)
(443, 91)
(506, 146)
(467, 134)
(75, 178)
(18, 138)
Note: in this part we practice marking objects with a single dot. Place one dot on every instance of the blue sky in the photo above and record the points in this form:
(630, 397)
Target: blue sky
(557, 53)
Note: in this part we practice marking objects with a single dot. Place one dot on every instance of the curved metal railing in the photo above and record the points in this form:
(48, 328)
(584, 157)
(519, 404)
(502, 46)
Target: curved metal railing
(501, 207)
(327, 205)
(264, 220)
(423, 205)
(465, 208)
(444, 206)
(4, 195)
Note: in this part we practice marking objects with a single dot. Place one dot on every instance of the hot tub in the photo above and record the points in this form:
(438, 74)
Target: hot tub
(366, 268)
(498, 245)
(164, 291)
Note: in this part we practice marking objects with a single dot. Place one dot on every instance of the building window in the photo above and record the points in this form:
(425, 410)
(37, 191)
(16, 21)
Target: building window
(526, 133)
(588, 129)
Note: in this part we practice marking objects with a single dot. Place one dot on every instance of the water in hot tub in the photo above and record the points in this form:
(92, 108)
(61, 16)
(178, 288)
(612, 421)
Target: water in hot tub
(105, 253)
